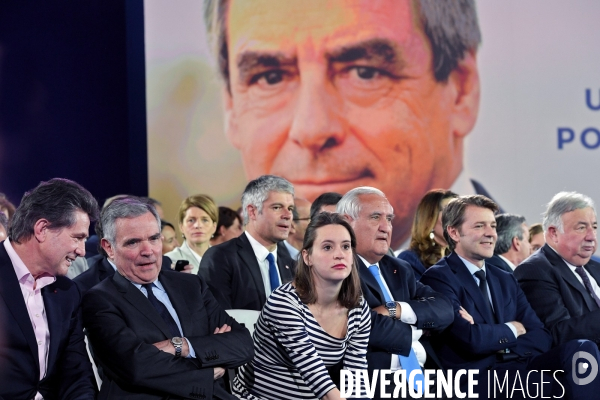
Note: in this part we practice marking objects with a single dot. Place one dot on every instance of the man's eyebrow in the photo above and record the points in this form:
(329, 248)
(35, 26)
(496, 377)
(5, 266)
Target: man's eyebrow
(251, 60)
(382, 51)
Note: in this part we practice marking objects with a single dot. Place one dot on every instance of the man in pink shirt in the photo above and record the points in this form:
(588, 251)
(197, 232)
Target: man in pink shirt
(42, 351)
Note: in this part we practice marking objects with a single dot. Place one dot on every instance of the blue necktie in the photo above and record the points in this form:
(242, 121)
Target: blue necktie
(273, 277)
(162, 310)
(409, 363)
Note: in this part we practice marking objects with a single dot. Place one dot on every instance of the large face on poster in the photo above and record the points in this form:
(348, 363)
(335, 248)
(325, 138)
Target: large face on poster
(338, 94)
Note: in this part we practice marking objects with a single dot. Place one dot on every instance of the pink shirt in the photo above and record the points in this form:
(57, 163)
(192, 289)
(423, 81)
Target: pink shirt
(35, 305)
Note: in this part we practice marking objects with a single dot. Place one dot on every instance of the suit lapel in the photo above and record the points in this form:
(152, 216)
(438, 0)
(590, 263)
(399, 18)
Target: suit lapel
(367, 277)
(592, 269)
(10, 292)
(137, 299)
(248, 260)
(178, 301)
(466, 279)
(56, 321)
(284, 263)
(568, 275)
(495, 291)
(390, 275)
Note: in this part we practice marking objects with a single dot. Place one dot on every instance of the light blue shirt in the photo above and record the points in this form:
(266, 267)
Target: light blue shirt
(474, 268)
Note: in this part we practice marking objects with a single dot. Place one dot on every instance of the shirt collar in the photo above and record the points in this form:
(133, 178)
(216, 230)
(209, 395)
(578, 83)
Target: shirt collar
(506, 260)
(21, 270)
(260, 251)
(472, 267)
(368, 264)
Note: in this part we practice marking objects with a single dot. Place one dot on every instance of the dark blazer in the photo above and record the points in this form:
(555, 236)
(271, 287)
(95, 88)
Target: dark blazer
(559, 299)
(123, 324)
(498, 262)
(233, 274)
(412, 258)
(392, 336)
(469, 346)
(100, 269)
(69, 372)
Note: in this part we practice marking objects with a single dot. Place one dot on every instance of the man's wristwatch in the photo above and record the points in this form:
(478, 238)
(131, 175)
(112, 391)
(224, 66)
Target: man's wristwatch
(177, 342)
(391, 306)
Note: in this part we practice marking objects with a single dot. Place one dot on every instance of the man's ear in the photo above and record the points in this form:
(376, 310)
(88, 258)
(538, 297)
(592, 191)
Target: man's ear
(231, 130)
(551, 234)
(516, 243)
(464, 81)
(107, 247)
(453, 233)
(252, 212)
(40, 229)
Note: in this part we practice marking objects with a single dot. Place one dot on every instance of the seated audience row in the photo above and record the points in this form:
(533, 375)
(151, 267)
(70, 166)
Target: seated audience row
(483, 304)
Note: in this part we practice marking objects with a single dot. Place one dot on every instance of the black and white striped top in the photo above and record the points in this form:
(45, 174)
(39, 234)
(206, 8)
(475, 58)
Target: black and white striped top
(292, 351)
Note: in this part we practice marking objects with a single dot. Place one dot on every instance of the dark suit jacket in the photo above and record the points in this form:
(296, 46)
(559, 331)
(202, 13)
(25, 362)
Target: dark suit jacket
(69, 373)
(498, 262)
(123, 324)
(100, 269)
(559, 299)
(392, 336)
(233, 274)
(469, 346)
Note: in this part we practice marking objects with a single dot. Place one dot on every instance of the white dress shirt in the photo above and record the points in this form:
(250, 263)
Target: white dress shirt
(261, 254)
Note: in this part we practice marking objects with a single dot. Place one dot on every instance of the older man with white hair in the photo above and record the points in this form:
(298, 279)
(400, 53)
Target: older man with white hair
(560, 281)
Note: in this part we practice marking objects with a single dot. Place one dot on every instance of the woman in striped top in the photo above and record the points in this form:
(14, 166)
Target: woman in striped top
(314, 323)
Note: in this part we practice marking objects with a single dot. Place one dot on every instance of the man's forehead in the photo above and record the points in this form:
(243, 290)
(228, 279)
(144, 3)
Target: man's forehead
(274, 25)
(279, 197)
(136, 227)
(475, 213)
(374, 203)
(587, 214)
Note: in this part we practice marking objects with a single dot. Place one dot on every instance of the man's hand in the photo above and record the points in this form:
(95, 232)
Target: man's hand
(463, 313)
(223, 329)
(167, 347)
(520, 328)
(382, 309)
(218, 372)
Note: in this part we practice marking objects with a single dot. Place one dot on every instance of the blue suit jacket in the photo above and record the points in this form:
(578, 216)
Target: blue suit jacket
(69, 373)
(392, 336)
(475, 346)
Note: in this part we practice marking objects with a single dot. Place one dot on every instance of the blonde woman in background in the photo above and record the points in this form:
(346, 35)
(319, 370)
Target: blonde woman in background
(198, 216)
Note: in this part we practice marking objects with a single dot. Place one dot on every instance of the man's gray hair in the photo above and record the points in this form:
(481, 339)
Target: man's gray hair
(4, 221)
(508, 226)
(257, 191)
(350, 202)
(450, 25)
(126, 207)
(563, 203)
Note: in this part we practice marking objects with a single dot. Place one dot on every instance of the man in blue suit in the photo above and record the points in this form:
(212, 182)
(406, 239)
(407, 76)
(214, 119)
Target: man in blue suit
(494, 326)
(42, 352)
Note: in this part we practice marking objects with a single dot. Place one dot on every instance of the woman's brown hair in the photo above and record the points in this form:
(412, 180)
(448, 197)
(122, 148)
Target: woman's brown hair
(427, 249)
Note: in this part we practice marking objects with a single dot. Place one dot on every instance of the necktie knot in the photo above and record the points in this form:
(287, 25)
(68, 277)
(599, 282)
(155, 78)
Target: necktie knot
(480, 275)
